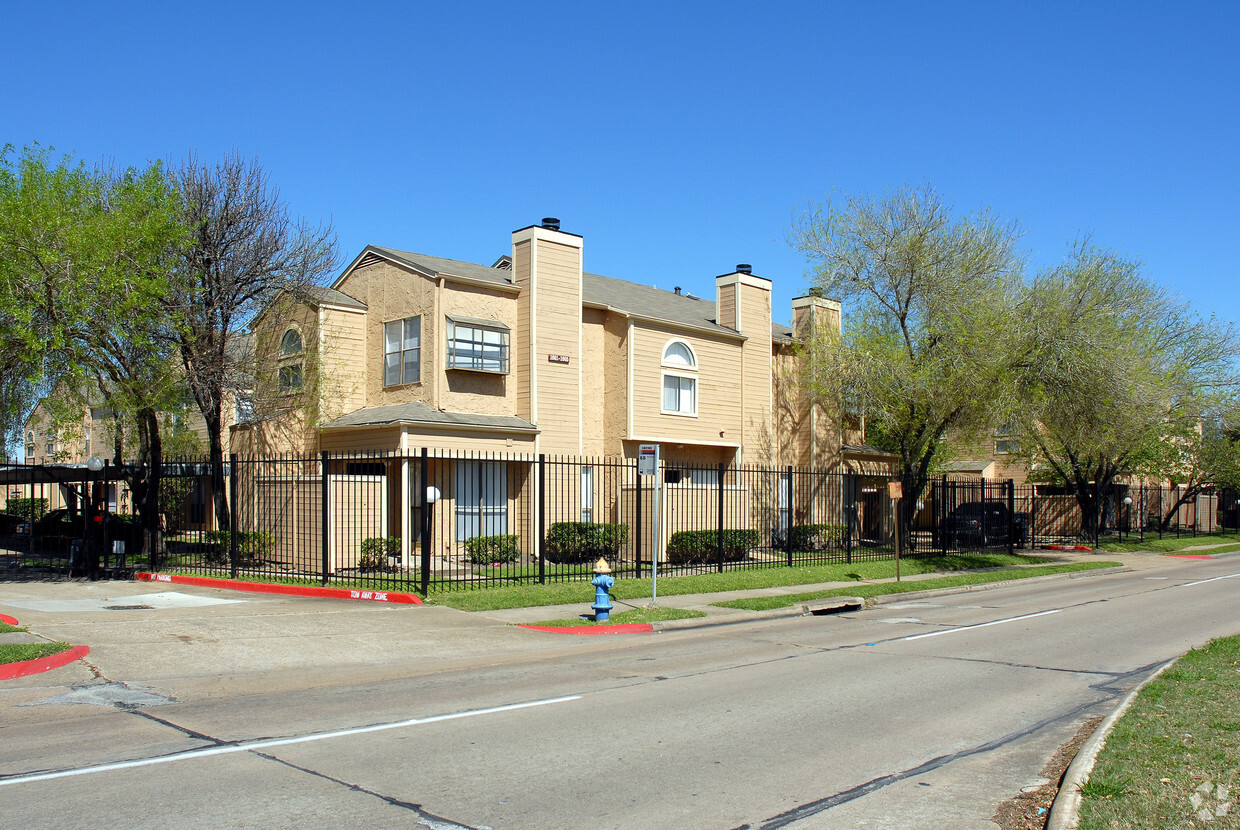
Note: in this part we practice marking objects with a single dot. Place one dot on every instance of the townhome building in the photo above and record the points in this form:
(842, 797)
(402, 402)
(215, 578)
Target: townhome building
(534, 354)
(488, 367)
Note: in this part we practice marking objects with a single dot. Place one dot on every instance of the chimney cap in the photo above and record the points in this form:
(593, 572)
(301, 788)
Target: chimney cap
(744, 268)
(551, 223)
(676, 289)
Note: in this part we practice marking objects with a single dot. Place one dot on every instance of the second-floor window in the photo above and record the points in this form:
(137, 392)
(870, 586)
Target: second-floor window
(402, 351)
(679, 379)
(290, 378)
(480, 345)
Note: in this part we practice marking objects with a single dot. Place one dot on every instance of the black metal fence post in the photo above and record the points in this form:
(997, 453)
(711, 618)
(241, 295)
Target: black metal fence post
(850, 510)
(424, 559)
(232, 515)
(788, 529)
(637, 520)
(719, 534)
(324, 494)
(1011, 502)
(542, 519)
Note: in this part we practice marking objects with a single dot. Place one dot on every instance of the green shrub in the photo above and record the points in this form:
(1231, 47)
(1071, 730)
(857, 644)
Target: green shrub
(29, 509)
(817, 537)
(253, 547)
(490, 550)
(376, 552)
(571, 543)
(693, 547)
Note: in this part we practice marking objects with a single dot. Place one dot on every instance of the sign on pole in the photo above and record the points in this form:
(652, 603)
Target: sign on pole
(648, 465)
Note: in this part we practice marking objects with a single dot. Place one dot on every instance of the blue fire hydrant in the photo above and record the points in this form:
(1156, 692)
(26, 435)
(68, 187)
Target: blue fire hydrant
(602, 583)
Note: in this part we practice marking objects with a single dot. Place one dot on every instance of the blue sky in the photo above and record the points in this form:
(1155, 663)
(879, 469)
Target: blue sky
(677, 138)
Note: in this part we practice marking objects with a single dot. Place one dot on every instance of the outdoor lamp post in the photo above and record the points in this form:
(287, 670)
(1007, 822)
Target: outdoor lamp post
(1128, 514)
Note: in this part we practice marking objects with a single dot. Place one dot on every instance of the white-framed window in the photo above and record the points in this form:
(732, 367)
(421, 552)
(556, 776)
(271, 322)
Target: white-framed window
(29, 444)
(679, 379)
(587, 494)
(481, 499)
(477, 345)
(291, 375)
(51, 442)
(402, 351)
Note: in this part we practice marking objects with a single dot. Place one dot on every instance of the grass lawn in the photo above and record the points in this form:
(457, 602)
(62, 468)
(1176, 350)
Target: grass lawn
(636, 615)
(16, 652)
(1173, 759)
(560, 593)
(1171, 544)
(877, 589)
(5, 628)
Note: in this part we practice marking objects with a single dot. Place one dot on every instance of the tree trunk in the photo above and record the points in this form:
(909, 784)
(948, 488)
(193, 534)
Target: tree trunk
(219, 495)
(145, 484)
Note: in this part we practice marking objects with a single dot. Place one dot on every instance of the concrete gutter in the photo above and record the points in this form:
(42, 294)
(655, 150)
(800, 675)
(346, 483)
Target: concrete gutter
(1065, 811)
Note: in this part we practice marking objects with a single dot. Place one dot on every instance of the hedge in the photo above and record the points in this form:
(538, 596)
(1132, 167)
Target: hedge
(817, 537)
(375, 552)
(694, 547)
(490, 550)
(23, 508)
(253, 546)
(571, 543)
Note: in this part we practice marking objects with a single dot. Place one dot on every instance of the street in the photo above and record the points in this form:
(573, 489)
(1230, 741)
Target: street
(277, 712)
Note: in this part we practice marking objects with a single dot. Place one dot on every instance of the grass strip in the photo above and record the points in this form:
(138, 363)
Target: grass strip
(1171, 760)
(739, 579)
(882, 588)
(5, 628)
(17, 652)
(1170, 544)
(637, 615)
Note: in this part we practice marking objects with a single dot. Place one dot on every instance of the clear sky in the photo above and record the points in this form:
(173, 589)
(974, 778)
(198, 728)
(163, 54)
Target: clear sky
(677, 138)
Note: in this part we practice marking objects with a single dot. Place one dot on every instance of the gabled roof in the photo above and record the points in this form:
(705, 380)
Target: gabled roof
(323, 295)
(417, 413)
(599, 291)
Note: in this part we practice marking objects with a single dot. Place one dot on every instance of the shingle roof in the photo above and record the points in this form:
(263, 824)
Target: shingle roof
(419, 413)
(435, 265)
(323, 294)
(622, 295)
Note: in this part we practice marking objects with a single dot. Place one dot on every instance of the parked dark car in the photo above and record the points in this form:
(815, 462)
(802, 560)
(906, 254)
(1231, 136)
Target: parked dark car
(57, 528)
(9, 523)
(985, 524)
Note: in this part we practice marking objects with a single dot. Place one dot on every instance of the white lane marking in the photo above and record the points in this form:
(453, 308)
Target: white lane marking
(256, 745)
(980, 625)
(894, 620)
(1157, 578)
(1211, 579)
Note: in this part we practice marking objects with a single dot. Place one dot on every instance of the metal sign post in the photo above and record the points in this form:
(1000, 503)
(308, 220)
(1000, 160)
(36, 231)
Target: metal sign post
(895, 490)
(648, 465)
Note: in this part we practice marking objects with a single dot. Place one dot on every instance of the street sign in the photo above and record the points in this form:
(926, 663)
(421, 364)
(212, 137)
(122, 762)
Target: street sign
(648, 460)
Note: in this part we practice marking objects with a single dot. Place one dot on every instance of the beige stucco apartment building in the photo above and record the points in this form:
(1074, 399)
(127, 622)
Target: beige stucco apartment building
(534, 354)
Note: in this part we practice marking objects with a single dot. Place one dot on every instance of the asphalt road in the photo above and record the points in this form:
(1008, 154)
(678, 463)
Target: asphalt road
(923, 713)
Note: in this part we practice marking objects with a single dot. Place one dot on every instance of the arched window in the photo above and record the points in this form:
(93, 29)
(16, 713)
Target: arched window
(290, 377)
(678, 353)
(679, 379)
(290, 343)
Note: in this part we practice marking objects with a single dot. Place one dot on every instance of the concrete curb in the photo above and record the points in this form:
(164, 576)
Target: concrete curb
(10, 671)
(586, 630)
(284, 590)
(1065, 810)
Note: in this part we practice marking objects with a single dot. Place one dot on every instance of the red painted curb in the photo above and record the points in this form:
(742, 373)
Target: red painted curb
(286, 590)
(1067, 547)
(8, 671)
(1188, 555)
(622, 628)
(7, 620)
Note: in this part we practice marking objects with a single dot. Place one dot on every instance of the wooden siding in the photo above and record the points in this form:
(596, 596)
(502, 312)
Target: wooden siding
(718, 398)
(344, 362)
(755, 377)
(558, 331)
(594, 385)
(521, 334)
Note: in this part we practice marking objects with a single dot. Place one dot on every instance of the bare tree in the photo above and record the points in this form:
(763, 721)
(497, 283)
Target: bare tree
(244, 250)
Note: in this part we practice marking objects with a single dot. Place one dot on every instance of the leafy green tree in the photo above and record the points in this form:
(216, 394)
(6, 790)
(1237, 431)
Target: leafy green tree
(86, 258)
(927, 328)
(1114, 377)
